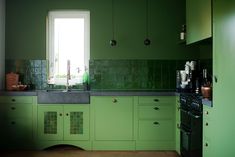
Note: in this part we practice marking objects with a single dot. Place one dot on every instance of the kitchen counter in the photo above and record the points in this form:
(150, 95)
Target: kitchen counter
(18, 93)
(207, 102)
(133, 93)
(101, 93)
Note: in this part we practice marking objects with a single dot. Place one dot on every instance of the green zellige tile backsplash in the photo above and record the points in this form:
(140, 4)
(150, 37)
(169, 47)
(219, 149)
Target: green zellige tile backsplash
(137, 74)
(111, 74)
(133, 74)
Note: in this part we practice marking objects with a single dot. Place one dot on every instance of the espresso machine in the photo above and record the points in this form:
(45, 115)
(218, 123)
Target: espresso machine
(188, 80)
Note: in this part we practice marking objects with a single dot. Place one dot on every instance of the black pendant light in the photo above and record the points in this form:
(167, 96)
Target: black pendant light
(147, 41)
(113, 42)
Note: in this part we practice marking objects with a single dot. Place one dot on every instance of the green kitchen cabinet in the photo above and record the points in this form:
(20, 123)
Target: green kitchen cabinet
(63, 122)
(198, 20)
(208, 123)
(113, 118)
(224, 76)
(113, 122)
(177, 125)
(16, 121)
(156, 123)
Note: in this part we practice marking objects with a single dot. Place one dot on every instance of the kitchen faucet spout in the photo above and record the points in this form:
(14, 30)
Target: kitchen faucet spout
(68, 77)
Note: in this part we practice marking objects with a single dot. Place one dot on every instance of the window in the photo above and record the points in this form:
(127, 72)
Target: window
(68, 46)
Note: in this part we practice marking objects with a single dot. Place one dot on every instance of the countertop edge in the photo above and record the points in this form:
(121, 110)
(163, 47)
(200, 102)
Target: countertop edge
(98, 93)
(207, 102)
(131, 93)
(18, 93)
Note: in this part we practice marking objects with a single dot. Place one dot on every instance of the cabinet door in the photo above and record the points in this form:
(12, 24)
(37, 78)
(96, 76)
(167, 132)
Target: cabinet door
(50, 122)
(113, 118)
(198, 20)
(156, 130)
(207, 131)
(177, 124)
(76, 122)
(223, 87)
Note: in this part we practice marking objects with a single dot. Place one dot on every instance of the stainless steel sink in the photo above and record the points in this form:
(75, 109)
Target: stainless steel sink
(61, 97)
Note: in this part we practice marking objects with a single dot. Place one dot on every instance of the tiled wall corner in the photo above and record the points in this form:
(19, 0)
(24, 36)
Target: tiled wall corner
(31, 72)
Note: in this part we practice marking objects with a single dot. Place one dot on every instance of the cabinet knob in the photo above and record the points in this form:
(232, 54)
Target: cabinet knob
(206, 144)
(13, 100)
(155, 100)
(215, 79)
(156, 108)
(114, 100)
(156, 123)
(67, 114)
(13, 108)
(60, 114)
(206, 112)
(207, 124)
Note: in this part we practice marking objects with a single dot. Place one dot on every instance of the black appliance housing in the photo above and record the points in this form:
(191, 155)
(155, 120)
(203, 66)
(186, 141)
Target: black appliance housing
(191, 125)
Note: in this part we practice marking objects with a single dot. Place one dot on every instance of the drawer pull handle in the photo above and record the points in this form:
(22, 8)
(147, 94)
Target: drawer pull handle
(156, 123)
(13, 100)
(13, 123)
(13, 108)
(156, 108)
(156, 100)
(206, 144)
(207, 124)
(114, 100)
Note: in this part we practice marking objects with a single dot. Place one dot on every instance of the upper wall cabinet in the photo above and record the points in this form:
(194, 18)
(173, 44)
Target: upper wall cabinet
(198, 20)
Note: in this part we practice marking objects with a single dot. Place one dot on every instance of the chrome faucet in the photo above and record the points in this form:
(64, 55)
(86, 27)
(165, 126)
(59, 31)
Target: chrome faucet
(68, 76)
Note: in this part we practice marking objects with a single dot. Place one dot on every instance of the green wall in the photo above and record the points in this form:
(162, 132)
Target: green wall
(2, 43)
(26, 28)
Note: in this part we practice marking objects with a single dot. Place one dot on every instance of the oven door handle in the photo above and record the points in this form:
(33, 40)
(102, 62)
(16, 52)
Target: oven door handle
(189, 113)
(186, 132)
(181, 109)
(193, 115)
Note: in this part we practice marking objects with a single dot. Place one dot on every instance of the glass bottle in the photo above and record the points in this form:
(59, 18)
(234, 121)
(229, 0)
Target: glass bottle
(183, 32)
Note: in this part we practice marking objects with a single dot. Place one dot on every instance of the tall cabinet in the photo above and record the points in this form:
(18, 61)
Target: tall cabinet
(2, 43)
(224, 75)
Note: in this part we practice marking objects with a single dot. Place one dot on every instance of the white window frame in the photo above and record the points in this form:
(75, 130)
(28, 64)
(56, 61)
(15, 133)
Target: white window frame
(52, 15)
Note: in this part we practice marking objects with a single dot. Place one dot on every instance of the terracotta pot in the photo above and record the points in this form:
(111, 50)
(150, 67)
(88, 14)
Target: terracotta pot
(11, 80)
(206, 92)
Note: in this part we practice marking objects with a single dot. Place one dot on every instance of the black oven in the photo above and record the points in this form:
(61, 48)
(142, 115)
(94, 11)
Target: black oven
(190, 125)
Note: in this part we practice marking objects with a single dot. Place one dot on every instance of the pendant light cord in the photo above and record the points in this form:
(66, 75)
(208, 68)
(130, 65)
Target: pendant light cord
(147, 13)
(113, 18)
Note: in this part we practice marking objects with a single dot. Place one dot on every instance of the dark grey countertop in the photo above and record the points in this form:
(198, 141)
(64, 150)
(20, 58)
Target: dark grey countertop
(133, 93)
(207, 102)
(101, 93)
(18, 93)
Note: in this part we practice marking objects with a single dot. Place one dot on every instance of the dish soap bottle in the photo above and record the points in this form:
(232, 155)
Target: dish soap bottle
(85, 80)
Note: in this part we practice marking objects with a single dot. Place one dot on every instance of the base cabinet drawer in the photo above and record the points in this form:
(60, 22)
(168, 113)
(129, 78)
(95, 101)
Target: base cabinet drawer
(155, 112)
(151, 130)
(16, 129)
(145, 100)
(16, 100)
(16, 110)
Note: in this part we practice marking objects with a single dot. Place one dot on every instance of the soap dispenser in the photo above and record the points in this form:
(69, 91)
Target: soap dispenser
(85, 80)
